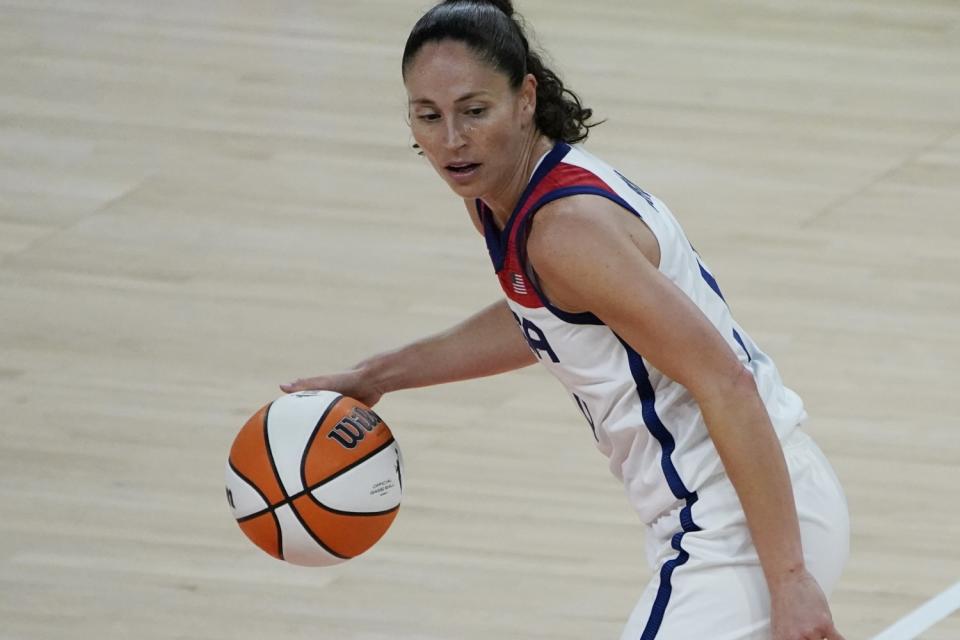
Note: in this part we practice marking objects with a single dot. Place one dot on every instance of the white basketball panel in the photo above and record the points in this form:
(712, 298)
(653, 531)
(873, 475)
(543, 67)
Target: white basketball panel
(241, 496)
(374, 485)
(290, 423)
(298, 546)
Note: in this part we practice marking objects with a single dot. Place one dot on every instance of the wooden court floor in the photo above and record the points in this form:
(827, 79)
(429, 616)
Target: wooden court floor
(200, 200)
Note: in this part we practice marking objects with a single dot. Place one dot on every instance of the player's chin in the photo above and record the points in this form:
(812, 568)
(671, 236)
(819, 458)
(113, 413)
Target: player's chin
(466, 184)
(472, 190)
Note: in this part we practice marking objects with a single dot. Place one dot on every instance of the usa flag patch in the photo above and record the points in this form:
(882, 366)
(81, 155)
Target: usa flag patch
(518, 285)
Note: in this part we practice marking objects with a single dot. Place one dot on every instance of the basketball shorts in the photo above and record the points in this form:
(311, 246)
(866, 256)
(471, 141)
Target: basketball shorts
(713, 586)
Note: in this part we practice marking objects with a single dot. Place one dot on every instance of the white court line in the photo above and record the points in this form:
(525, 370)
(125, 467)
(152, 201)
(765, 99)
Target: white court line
(923, 618)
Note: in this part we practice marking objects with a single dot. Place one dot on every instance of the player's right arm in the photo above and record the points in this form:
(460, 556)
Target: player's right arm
(487, 343)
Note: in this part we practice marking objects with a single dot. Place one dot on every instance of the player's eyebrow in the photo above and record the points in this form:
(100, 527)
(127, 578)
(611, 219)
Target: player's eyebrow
(463, 98)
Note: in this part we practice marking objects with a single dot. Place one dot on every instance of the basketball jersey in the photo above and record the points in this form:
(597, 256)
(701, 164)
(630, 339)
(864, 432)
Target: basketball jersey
(650, 427)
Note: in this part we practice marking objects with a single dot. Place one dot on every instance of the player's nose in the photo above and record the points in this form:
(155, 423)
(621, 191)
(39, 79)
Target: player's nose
(454, 138)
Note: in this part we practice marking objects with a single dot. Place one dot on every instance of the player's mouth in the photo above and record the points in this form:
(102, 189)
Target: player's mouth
(462, 171)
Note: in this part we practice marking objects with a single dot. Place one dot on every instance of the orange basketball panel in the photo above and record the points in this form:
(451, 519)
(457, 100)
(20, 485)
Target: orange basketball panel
(264, 532)
(250, 457)
(347, 535)
(350, 431)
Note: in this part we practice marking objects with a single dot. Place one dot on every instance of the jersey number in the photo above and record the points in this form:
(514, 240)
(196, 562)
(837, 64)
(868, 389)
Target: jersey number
(585, 410)
(536, 339)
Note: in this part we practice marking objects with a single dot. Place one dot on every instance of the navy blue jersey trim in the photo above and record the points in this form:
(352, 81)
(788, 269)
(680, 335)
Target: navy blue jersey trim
(667, 445)
(573, 318)
(736, 336)
(713, 284)
(710, 280)
(492, 236)
(497, 238)
(584, 317)
(653, 423)
(566, 192)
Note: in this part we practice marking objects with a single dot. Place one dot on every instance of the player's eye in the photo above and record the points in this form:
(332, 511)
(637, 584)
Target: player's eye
(476, 111)
(429, 117)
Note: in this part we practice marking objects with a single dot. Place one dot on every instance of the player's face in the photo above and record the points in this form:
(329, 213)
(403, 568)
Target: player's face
(470, 124)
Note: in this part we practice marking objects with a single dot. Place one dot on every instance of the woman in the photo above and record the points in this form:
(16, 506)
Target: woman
(747, 522)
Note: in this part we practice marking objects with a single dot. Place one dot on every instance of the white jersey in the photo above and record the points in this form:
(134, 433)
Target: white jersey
(649, 426)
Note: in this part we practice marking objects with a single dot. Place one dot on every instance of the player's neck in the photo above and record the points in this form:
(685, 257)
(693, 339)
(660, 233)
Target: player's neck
(505, 200)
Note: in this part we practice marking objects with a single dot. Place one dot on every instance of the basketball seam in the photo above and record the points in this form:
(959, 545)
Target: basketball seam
(273, 463)
(354, 513)
(313, 436)
(313, 535)
(250, 484)
(309, 491)
(276, 523)
(276, 473)
(339, 473)
(266, 501)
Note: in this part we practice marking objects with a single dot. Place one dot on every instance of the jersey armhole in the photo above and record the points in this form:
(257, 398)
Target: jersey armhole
(583, 317)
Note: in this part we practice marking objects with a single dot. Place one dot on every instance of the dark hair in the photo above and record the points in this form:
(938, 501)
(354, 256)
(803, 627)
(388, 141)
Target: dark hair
(489, 28)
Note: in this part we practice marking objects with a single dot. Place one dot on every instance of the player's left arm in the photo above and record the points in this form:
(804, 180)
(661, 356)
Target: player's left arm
(592, 255)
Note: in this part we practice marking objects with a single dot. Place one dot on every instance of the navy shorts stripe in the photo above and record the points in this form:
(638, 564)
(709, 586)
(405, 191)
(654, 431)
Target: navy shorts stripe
(659, 609)
(667, 446)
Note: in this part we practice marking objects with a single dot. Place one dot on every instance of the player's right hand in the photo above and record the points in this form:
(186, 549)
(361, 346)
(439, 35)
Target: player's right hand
(799, 610)
(352, 383)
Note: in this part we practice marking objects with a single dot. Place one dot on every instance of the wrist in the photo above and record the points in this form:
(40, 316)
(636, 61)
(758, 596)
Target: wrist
(787, 573)
(383, 372)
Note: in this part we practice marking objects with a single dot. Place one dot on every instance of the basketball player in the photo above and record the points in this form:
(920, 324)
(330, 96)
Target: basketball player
(748, 526)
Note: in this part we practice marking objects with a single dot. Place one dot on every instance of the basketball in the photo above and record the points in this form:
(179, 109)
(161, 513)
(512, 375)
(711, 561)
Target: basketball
(314, 478)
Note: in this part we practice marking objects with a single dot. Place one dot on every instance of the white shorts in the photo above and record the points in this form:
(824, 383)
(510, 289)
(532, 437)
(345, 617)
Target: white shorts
(709, 583)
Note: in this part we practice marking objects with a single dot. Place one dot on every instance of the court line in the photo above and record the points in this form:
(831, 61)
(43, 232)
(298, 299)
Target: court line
(924, 617)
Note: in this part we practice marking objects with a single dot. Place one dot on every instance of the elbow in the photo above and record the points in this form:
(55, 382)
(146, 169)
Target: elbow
(735, 387)
(742, 386)
(742, 380)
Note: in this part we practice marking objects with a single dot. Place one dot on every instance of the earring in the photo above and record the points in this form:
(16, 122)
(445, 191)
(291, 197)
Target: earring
(416, 147)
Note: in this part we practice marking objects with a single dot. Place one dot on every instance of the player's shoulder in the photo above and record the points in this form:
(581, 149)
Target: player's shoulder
(572, 228)
(576, 214)
(566, 223)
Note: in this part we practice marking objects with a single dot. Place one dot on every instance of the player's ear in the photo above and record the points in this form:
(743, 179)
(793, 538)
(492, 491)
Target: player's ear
(528, 97)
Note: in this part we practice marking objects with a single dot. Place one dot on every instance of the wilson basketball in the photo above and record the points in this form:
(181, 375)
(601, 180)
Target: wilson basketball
(314, 478)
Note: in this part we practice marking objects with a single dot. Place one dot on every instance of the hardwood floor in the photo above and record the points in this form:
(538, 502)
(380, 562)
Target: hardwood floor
(199, 201)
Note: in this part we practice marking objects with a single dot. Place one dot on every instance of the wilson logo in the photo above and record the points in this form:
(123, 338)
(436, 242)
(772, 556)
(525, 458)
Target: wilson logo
(354, 427)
